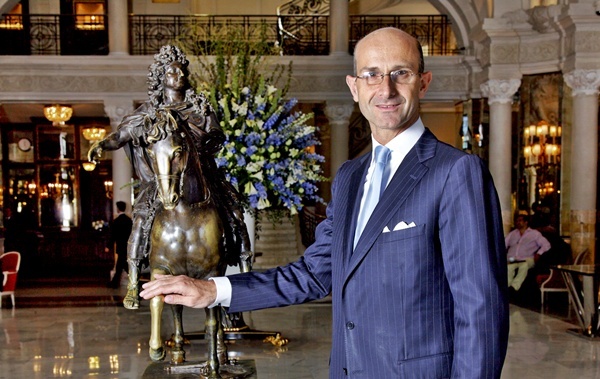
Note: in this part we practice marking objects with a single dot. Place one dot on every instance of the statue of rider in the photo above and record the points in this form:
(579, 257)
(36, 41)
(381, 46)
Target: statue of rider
(169, 89)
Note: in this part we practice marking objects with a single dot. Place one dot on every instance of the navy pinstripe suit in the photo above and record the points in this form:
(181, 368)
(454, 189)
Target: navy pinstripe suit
(423, 302)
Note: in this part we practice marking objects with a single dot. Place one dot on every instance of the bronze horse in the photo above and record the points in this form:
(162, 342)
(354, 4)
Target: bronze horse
(187, 235)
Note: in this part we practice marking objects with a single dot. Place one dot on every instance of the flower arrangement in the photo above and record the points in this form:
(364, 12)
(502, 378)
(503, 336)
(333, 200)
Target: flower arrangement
(269, 152)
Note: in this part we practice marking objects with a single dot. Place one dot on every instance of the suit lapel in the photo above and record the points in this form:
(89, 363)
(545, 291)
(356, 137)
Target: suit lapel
(403, 182)
(351, 202)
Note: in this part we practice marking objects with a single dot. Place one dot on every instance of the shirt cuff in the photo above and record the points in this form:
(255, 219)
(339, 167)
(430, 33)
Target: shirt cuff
(223, 291)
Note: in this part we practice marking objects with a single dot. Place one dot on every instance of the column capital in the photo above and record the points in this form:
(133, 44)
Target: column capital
(499, 90)
(583, 82)
(339, 111)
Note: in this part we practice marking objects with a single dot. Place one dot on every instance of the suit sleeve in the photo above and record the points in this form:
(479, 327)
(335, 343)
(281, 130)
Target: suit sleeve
(307, 279)
(471, 238)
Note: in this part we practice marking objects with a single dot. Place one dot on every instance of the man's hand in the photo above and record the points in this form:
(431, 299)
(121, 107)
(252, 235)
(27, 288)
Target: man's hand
(181, 289)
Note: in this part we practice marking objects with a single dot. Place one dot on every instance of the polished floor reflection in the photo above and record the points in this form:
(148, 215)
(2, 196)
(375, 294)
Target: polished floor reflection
(82, 331)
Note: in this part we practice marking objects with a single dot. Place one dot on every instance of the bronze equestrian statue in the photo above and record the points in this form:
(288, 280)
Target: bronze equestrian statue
(187, 236)
(169, 89)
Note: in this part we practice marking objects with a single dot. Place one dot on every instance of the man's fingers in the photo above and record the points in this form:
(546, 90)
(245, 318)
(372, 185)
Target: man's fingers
(158, 287)
(179, 300)
(180, 289)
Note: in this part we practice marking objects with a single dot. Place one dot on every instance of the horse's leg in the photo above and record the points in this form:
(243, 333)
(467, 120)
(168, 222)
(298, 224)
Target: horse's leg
(157, 351)
(211, 324)
(131, 299)
(177, 352)
(134, 256)
(221, 347)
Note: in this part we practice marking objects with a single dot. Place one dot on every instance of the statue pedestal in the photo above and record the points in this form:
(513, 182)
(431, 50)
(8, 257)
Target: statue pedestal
(242, 369)
(277, 244)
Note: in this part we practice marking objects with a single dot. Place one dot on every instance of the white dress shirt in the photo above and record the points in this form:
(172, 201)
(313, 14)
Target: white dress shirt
(399, 146)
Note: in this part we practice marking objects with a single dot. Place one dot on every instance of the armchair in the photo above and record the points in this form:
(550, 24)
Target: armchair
(10, 263)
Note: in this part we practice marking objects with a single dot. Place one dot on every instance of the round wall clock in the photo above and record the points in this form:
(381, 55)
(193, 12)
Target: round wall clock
(24, 144)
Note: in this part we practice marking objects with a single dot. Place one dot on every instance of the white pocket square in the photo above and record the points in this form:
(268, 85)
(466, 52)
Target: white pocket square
(386, 230)
(403, 225)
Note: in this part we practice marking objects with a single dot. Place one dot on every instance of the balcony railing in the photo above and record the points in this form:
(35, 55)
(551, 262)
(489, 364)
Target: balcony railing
(305, 35)
(50, 34)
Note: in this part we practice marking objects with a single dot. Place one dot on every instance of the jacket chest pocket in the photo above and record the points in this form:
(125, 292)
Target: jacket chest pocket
(399, 235)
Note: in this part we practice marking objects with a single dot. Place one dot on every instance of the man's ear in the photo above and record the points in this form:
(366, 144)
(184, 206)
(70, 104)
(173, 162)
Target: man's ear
(351, 82)
(424, 83)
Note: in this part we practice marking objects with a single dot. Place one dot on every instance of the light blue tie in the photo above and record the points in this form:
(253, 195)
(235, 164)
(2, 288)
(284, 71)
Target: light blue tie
(377, 185)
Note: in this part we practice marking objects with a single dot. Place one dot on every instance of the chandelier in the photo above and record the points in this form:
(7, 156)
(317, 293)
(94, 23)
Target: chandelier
(93, 133)
(541, 149)
(542, 144)
(58, 114)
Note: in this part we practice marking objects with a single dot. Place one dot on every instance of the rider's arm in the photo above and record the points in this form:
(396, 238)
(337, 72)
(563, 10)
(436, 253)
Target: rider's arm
(126, 132)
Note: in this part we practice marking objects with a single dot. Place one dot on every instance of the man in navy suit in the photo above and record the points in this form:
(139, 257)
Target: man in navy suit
(421, 292)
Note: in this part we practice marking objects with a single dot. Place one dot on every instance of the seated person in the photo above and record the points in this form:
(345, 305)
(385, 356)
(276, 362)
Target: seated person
(525, 246)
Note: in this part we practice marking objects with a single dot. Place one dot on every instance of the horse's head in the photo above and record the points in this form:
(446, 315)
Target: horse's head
(168, 153)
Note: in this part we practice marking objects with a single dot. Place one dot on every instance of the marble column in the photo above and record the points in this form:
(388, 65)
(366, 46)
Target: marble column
(500, 94)
(338, 113)
(122, 170)
(338, 27)
(118, 28)
(584, 158)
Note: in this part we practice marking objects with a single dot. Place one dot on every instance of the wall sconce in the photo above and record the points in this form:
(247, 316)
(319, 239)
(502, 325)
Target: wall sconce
(108, 186)
(58, 114)
(93, 133)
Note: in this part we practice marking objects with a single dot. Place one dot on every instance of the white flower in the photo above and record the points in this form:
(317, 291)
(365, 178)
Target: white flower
(271, 89)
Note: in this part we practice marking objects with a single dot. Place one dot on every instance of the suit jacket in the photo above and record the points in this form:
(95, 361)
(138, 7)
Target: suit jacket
(427, 301)
(120, 229)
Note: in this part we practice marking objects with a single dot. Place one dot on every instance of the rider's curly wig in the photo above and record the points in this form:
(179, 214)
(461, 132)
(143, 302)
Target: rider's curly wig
(167, 55)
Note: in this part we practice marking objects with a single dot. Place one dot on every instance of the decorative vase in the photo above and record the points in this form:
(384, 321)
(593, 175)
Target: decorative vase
(251, 226)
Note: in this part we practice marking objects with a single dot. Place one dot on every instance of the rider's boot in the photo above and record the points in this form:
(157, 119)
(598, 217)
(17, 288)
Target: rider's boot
(132, 300)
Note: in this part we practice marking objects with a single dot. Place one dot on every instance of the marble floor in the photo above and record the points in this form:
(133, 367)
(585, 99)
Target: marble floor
(79, 330)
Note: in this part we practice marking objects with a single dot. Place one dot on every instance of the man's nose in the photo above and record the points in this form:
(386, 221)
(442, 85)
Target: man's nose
(388, 86)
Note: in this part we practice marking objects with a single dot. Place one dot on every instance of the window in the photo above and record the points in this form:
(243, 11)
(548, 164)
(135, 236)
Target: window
(89, 15)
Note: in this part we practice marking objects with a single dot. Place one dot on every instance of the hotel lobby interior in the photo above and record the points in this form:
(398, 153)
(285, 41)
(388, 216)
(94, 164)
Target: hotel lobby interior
(516, 82)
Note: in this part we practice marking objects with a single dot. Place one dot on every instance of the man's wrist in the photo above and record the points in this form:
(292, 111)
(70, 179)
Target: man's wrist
(223, 287)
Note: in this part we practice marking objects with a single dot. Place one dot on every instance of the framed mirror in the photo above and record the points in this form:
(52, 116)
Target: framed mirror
(56, 143)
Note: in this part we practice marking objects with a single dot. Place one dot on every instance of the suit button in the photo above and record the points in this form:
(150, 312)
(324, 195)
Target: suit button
(345, 371)
(349, 325)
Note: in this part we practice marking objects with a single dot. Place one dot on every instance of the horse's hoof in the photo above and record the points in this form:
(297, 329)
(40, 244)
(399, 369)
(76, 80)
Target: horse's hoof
(157, 354)
(131, 300)
(177, 357)
(209, 373)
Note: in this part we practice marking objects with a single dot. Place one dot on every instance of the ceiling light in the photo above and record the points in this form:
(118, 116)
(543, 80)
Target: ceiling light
(58, 114)
(93, 133)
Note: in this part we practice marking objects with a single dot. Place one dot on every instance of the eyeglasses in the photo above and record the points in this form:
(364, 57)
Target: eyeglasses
(403, 76)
